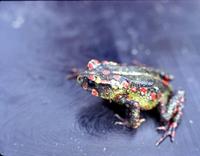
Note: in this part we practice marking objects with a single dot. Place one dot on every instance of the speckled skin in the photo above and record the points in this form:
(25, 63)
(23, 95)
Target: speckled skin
(139, 88)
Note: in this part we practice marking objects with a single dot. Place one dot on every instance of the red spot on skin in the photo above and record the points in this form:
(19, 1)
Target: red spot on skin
(166, 77)
(133, 89)
(153, 96)
(125, 84)
(91, 77)
(174, 124)
(106, 72)
(176, 110)
(117, 77)
(90, 66)
(162, 111)
(159, 95)
(94, 92)
(143, 90)
(165, 82)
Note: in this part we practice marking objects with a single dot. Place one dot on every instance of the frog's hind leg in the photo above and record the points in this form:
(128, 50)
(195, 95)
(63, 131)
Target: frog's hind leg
(171, 114)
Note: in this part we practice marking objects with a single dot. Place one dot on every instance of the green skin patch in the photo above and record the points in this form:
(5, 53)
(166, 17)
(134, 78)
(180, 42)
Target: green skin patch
(139, 88)
(144, 101)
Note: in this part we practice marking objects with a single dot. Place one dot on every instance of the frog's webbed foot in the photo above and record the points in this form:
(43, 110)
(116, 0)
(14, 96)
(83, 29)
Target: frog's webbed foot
(122, 121)
(125, 122)
(73, 73)
(170, 131)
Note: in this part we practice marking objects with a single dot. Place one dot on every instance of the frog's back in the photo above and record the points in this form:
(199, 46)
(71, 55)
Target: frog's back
(142, 84)
(147, 91)
(146, 85)
(139, 70)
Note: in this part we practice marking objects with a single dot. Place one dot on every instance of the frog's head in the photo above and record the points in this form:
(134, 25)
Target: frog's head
(95, 79)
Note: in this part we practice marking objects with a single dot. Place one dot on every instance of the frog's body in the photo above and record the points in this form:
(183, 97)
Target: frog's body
(137, 83)
(139, 88)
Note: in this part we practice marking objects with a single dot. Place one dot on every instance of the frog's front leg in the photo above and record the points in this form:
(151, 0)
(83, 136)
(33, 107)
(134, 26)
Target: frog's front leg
(134, 120)
(171, 113)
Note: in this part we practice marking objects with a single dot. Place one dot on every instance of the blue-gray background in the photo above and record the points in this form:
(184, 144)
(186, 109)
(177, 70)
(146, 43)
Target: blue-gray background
(43, 114)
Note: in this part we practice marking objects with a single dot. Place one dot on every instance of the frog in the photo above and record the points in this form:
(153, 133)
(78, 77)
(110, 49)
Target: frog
(138, 88)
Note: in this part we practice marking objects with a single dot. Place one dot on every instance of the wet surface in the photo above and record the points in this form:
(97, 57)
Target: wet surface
(44, 114)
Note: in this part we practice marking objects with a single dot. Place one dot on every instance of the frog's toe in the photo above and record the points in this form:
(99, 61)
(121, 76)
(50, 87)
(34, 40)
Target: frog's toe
(170, 132)
(162, 139)
(119, 117)
(138, 123)
(167, 134)
(142, 120)
(124, 123)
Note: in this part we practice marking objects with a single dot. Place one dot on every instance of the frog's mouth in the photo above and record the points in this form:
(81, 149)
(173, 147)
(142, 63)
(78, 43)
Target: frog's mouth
(91, 87)
(84, 85)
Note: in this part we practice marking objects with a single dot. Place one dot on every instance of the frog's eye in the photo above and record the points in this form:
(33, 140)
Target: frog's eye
(91, 84)
(79, 79)
(93, 64)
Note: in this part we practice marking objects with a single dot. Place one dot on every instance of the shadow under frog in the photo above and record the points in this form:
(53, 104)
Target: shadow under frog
(99, 118)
